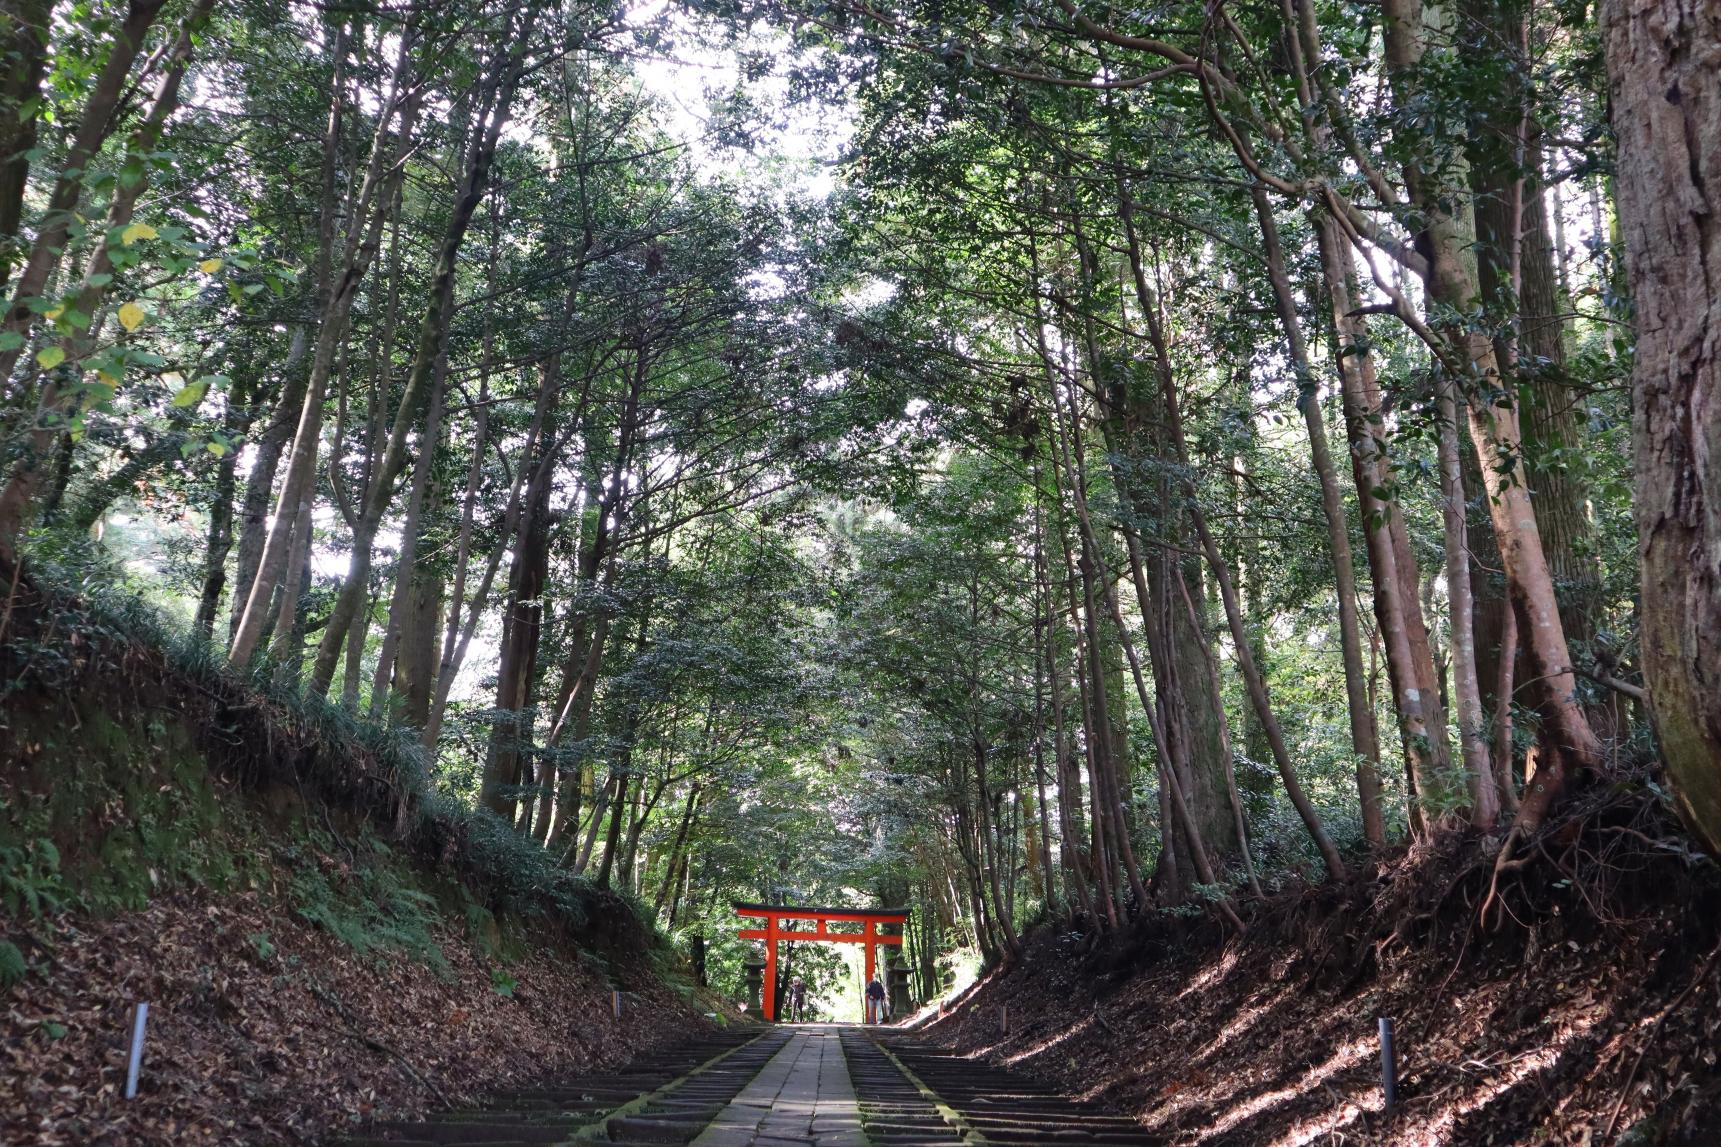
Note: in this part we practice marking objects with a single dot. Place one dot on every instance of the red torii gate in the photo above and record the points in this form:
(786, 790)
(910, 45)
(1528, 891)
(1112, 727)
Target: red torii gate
(775, 915)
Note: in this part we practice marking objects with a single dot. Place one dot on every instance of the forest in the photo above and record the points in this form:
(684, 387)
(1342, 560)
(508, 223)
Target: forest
(1035, 463)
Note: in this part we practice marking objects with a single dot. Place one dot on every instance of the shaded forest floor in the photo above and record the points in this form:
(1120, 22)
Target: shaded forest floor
(319, 935)
(1581, 1011)
(265, 1029)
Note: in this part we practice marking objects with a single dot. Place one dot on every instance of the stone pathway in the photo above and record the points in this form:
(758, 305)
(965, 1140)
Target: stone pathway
(802, 1096)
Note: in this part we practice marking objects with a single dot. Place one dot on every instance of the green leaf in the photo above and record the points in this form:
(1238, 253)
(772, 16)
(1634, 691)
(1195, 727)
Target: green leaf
(10, 340)
(192, 394)
(50, 356)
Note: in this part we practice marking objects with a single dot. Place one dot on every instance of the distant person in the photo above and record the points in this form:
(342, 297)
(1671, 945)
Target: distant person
(875, 1001)
(797, 1000)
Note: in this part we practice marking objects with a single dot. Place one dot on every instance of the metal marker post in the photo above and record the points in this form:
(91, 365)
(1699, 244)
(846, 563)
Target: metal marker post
(1388, 1065)
(1004, 1019)
(140, 1017)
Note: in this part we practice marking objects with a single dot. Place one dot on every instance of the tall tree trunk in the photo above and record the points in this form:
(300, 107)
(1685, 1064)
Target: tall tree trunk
(516, 670)
(218, 544)
(1397, 612)
(1466, 686)
(677, 849)
(1069, 782)
(408, 610)
(24, 44)
(1365, 736)
(1254, 682)
(266, 461)
(1666, 94)
(1449, 239)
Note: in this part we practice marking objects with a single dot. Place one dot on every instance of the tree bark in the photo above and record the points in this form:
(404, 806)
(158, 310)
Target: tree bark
(516, 669)
(1395, 603)
(1666, 89)
(1466, 686)
(25, 46)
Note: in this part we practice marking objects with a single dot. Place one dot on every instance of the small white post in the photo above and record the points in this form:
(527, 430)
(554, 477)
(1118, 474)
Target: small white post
(615, 1004)
(1004, 1019)
(1388, 1065)
(140, 1017)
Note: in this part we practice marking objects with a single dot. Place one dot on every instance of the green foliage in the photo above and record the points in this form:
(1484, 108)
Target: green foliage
(373, 908)
(13, 966)
(30, 880)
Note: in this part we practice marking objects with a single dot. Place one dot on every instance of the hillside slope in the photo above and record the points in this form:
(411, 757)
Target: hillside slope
(1581, 1011)
(319, 937)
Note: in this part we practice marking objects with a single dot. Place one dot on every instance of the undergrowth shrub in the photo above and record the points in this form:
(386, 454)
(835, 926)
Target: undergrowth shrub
(374, 910)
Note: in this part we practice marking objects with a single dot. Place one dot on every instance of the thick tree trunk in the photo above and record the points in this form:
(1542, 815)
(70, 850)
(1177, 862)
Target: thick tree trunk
(415, 663)
(518, 657)
(413, 584)
(1068, 781)
(1253, 681)
(1168, 775)
(1666, 87)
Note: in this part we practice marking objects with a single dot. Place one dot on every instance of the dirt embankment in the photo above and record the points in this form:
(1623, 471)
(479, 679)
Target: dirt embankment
(320, 935)
(266, 1029)
(1581, 1010)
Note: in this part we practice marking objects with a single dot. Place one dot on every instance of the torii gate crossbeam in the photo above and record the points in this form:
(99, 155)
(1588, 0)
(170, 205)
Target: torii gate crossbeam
(777, 915)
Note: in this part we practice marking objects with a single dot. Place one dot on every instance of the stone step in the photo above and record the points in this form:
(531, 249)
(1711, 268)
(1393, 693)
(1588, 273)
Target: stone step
(538, 1116)
(466, 1132)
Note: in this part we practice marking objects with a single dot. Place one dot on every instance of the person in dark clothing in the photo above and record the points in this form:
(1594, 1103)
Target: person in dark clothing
(797, 1000)
(875, 1001)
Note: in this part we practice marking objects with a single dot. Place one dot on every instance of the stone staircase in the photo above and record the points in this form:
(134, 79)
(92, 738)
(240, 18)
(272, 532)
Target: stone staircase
(663, 1098)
